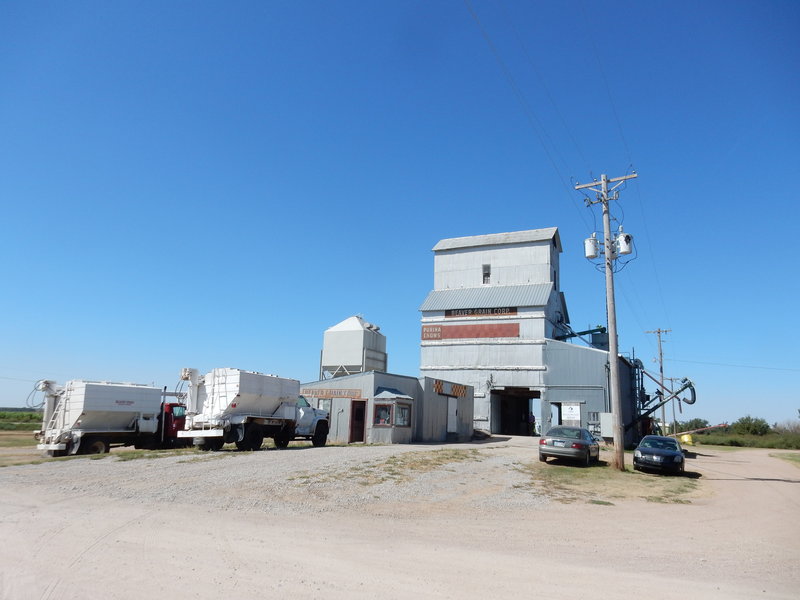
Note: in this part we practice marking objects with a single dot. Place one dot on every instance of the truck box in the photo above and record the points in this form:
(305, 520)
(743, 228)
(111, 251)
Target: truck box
(82, 408)
(224, 394)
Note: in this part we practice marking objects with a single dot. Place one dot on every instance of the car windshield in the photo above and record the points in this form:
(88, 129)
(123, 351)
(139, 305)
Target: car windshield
(660, 444)
(564, 432)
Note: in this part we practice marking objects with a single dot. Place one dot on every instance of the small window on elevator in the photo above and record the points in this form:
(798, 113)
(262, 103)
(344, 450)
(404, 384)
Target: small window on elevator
(487, 273)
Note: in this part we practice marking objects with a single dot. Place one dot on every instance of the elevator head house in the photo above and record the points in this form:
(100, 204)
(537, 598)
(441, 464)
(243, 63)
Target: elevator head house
(491, 322)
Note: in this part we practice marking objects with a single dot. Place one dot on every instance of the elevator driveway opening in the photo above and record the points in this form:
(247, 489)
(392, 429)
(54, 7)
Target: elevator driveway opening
(511, 408)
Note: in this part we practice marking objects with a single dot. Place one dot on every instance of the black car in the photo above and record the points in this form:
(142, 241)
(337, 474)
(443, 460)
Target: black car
(658, 453)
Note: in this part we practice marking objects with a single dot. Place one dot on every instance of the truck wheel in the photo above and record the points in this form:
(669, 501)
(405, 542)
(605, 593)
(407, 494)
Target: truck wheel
(252, 440)
(320, 435)
(254, 437)
(282, 439)
(94, 446)
(212, 444)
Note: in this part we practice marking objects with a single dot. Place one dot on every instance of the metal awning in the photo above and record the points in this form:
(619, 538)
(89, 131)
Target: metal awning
(385, 393)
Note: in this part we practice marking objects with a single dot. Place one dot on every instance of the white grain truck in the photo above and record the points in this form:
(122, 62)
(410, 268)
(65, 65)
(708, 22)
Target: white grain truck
(243, 407)
(87, 417)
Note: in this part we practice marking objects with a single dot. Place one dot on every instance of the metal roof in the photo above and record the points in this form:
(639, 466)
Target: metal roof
(499, 239)
(387, 392)
(535, 294)
(354, 323)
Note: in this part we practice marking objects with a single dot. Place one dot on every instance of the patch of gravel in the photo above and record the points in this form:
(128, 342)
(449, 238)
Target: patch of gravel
(378, 478)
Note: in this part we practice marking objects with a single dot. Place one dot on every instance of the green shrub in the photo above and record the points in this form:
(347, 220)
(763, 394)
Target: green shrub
(750, 426)
(782, 441)
(9, 416)
(5, 426)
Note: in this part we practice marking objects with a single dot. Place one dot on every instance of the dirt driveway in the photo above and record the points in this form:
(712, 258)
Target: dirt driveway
(350, 523)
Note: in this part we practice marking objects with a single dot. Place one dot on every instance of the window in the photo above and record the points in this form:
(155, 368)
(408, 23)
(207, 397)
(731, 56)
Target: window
(302, 402)
(402, 415)
(178, 411)
(383, 414)
(487, 273)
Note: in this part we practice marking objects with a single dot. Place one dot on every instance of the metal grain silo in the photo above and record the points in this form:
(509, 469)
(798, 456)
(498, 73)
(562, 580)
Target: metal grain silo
(352, 346)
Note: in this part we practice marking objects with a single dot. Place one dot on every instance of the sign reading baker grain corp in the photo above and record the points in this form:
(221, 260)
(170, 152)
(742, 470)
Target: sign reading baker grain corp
(330, 393)
(454, 332)
(480, 312)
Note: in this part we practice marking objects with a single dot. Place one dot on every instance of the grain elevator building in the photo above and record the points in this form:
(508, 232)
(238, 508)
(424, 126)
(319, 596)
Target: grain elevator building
(490, 322)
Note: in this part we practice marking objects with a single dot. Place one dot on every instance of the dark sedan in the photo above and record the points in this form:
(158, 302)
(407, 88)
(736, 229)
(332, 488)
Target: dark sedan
(658, 453)
(569, 442)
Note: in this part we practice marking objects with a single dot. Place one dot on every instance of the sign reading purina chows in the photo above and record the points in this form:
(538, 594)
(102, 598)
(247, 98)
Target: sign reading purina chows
(483, 330)
(481, 312)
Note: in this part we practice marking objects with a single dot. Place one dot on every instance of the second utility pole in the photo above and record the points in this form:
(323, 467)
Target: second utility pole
(611, 309)
(659, 331)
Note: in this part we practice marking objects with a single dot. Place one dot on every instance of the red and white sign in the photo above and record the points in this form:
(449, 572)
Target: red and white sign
(458, 332)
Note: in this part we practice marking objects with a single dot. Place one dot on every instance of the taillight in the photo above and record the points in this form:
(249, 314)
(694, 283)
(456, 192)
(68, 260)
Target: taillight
(543, 442)
(577, 445)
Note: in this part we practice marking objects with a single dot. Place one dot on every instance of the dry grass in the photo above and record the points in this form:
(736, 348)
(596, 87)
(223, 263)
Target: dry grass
(604, 485)
(397, 468)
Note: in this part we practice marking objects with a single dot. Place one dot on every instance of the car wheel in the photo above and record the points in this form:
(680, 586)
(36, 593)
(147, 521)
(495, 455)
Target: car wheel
(542, 457)
(587, 461)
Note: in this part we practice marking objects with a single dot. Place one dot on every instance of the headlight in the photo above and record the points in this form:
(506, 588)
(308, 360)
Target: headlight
(637, 453)
(678, 458)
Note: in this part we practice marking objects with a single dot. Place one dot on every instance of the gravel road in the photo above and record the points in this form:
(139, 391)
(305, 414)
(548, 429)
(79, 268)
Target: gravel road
(391, 522)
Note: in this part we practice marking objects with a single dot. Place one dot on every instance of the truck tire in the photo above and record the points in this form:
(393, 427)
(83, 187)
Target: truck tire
(282, 439)
(213, 444)
(94, 446)
(320, 436)
(253, 438)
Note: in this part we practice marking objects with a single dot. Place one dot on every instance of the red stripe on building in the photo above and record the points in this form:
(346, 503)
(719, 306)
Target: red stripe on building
(453, 332)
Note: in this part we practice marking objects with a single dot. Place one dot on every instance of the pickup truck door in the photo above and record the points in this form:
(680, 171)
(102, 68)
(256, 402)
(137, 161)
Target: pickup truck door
(305, 416)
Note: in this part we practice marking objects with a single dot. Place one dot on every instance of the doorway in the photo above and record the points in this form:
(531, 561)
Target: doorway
(511, 409)
(358, 414)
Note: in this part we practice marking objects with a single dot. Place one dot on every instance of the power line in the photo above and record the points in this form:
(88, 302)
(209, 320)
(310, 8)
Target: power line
(533, 120)
(733, 366)
(18, 379)
(543, 84)
(608, 88)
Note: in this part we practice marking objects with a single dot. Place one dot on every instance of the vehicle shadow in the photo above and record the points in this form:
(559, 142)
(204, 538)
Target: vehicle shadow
(493, 439)
(568, 462)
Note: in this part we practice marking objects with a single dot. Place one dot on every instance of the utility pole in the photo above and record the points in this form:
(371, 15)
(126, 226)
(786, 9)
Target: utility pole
(672, 381)
(611, 310)
(658, 332)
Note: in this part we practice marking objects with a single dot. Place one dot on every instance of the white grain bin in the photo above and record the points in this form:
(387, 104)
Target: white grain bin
(352, 346)
(103, 406)
(227, 392)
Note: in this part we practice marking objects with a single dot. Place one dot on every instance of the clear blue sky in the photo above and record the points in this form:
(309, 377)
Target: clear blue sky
(214, 184)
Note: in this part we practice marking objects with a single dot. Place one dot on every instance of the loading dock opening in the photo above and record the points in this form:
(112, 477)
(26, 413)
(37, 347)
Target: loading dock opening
(511, 408)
